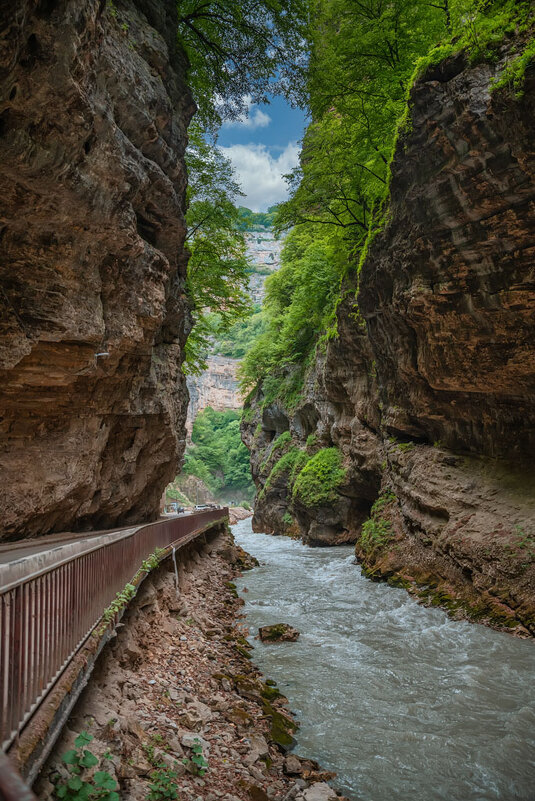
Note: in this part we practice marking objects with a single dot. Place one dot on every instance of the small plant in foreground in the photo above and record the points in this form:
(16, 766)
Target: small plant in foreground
(99, 787)
(162, 784)
(198, 759)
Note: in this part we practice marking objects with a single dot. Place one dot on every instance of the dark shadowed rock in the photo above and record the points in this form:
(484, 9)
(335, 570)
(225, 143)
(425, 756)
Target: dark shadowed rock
(94, 317)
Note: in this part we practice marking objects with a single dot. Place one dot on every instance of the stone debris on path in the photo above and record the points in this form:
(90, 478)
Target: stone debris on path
(178, 683)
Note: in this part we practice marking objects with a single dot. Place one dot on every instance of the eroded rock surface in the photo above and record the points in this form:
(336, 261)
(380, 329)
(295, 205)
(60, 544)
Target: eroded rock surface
(429, 389)
(94, 318)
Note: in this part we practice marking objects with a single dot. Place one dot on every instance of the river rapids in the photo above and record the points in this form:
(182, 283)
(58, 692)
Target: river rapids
(401, 701)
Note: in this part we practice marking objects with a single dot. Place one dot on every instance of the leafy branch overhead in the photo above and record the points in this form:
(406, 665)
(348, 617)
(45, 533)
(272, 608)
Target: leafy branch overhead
(235, 49)
(218, 268)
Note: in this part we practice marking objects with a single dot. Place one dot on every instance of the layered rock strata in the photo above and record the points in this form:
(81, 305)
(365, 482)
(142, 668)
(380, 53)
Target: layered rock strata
(93, 120)
(429, 389)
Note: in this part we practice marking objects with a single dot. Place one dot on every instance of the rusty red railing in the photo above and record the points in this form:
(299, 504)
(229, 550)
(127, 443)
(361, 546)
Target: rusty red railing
(45, 617)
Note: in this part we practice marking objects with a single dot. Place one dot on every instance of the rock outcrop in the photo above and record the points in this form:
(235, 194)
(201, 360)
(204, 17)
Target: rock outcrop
(429, 390)
(93, 120)
(217, 387)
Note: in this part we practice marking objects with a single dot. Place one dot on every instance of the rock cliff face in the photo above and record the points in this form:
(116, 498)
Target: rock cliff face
(93, 121)
(216, 387)
(429, 390)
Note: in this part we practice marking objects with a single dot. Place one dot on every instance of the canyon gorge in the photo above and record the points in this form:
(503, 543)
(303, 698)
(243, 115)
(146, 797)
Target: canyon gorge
(366, 344)
(427, 391)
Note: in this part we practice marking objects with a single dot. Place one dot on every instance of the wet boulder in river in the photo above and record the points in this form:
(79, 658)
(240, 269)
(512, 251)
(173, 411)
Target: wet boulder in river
(278, 632)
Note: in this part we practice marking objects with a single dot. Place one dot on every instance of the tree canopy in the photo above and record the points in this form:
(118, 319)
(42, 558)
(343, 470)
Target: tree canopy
(217, 456)
(243, 49)
(218, 269)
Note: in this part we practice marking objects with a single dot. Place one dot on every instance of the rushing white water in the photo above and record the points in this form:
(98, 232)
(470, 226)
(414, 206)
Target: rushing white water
(402, 702)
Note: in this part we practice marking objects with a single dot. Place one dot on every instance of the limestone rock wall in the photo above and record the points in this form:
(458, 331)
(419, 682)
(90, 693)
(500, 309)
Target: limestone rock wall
(93, 117)
(216, 387)
(429, 391)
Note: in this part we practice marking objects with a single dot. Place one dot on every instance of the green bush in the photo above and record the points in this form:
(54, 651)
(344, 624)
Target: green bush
(285, 464)
(377, 531)
(217, 455)
(281, 441)
(318, 480)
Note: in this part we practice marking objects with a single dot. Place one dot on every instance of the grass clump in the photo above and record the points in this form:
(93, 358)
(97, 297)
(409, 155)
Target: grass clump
(318, 480)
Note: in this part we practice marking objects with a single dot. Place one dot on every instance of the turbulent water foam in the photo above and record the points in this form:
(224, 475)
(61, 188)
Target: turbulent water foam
(402, 702)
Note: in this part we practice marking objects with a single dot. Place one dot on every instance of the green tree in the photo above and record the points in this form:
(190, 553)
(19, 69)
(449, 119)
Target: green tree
(217, 455)
(218, 270)
(242, 48)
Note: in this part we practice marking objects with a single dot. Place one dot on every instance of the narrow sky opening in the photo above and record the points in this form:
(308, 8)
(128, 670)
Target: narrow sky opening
(263, 146)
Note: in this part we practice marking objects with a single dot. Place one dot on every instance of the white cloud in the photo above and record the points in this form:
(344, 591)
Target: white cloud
(260, 174)
(251, 118)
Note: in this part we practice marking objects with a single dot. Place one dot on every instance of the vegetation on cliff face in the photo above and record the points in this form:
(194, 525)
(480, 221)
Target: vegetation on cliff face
(364, 58)
(319, 479)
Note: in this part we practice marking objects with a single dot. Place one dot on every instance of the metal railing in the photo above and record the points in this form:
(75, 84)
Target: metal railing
(45, 617)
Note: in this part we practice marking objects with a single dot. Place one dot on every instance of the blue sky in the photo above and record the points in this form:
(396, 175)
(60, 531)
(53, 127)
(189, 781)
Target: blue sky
(263, 147)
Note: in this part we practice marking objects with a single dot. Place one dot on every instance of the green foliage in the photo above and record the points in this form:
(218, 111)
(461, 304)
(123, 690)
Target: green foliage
(299, 297)
(286, 464)
(312, 440)
(287, 519)
(80, 786)
(240, 50)
(176, 495)
(218, 456)
(236, 340)
(512, 76)
(254, 221)
(376, 531)
(198, 759)
(362, 58)
(318, 480)
(163, 784)
(282, 440)
(121, 600)
(218, 270)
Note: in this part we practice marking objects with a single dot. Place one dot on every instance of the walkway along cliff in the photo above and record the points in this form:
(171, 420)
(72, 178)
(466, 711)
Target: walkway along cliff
(420, 415)
(94, 316)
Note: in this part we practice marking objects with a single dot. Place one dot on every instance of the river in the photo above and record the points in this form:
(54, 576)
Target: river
(401, 701)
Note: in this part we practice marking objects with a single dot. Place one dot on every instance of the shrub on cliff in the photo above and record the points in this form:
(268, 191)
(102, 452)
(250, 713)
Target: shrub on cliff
(317, 482)
(286, 464)
(377, 531)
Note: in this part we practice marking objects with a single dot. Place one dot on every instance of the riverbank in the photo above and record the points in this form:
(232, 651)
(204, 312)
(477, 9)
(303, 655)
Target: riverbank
(177, 694)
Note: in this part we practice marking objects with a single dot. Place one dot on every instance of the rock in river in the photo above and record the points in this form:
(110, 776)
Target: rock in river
(278, 632)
